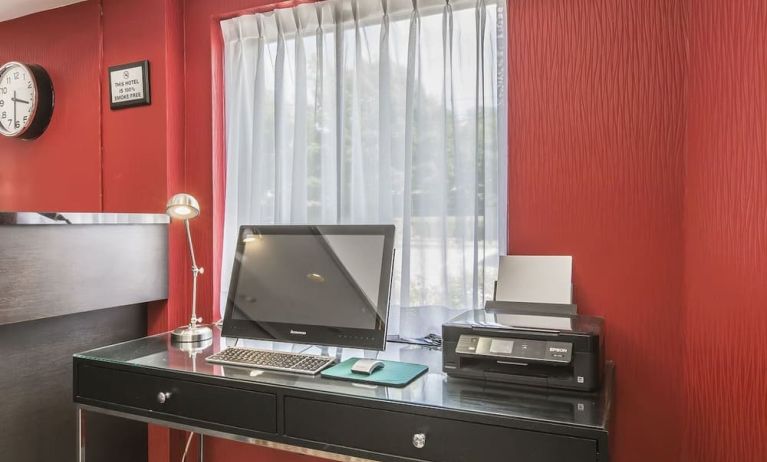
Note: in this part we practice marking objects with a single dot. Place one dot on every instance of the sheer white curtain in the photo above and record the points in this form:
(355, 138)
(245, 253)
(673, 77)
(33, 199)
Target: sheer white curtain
(376, 111)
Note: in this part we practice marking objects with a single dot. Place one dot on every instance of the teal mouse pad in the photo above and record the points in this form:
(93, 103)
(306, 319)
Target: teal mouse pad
(393, 374)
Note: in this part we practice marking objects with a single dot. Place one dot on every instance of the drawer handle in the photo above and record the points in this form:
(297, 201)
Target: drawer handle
(162, 397)
(419, 440)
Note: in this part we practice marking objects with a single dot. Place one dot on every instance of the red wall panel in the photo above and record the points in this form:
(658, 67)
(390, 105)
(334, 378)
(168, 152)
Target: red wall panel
(596, 135)
(61, 170)
(725, 384)
(92, 158)
(135, 143)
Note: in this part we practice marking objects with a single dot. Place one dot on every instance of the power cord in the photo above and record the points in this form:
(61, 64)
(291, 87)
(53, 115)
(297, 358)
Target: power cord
(186, 448)
(431, 340)
(434, 340)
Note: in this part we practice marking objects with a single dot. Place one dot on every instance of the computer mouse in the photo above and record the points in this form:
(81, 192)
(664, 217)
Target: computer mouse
(367, 366)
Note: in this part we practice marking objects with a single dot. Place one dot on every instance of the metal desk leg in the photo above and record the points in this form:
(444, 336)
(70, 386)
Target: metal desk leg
(202, 447)
(80, 423)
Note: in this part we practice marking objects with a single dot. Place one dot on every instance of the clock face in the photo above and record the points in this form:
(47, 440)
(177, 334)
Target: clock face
(18, 99)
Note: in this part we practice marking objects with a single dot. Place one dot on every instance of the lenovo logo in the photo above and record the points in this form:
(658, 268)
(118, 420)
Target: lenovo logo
(297, 332)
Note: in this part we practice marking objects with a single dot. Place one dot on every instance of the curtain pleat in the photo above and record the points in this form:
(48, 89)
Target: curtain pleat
(298, 193)
(385, 212)
(365, 111)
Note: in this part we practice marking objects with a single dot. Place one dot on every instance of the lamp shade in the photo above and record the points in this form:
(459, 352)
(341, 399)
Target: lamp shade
(183, 206)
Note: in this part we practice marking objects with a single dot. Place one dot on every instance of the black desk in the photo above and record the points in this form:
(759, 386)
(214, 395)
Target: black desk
(462, 420)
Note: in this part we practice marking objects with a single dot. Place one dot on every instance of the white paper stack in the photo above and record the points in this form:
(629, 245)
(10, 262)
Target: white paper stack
(535, 279)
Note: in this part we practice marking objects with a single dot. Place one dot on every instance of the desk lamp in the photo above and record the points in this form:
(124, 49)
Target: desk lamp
(185, 207)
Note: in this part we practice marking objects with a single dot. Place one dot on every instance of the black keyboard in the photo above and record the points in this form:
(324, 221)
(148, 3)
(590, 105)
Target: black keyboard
(272, 360)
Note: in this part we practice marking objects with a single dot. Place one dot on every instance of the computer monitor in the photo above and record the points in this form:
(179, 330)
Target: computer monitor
(320, 285)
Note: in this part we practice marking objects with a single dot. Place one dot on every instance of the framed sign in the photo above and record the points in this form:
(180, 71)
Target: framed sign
(129, 85)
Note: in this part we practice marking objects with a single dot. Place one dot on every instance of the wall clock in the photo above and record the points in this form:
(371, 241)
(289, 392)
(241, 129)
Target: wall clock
(26, 100)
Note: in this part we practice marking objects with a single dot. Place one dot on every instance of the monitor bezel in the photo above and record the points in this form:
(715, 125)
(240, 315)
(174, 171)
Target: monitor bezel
(345, 337)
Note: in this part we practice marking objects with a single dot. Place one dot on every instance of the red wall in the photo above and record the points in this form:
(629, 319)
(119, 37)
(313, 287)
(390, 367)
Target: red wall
(726, 233)
(596, 135)
(134, 165)
(92, 158)
(61, 170)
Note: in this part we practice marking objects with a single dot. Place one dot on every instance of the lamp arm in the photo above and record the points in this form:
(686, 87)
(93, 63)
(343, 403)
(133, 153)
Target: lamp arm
(191, 247)
(195, 272)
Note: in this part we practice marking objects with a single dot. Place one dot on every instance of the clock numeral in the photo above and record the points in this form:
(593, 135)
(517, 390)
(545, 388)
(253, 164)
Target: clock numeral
(2, 102)
(16, 124)
(15, 76)
(29, 84)
(4, 90)
(3, 115)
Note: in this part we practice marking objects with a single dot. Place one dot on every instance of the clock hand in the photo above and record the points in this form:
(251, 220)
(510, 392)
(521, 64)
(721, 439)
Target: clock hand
(16, 100)
(14, 109)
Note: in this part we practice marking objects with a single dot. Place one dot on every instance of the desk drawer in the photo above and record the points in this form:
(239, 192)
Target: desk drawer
(446, 440)
(215, 404)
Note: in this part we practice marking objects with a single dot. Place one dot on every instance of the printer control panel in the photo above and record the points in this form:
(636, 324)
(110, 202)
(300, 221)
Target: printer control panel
(511, 348)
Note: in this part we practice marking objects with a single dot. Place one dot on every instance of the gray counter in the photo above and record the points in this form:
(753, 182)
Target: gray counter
(54, 264)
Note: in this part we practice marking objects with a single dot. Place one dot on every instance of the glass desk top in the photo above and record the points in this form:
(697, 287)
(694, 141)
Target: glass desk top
(434, 389)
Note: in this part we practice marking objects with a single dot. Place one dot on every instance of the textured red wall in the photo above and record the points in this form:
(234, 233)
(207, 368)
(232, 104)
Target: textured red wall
(134, 159)
(726, 233)
(92, 158)
(596, 135)
(61, 170)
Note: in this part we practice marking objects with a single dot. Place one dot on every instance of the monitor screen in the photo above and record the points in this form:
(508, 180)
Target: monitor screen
(326, 285)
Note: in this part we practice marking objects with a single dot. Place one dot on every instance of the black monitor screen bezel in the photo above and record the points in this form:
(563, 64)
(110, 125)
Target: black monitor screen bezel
(369, 339)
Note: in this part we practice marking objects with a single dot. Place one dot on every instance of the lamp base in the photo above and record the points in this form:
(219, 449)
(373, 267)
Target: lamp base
(193, 347)
(189, 334)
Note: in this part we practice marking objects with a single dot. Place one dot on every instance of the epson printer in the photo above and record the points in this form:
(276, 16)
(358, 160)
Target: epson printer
(515, 344)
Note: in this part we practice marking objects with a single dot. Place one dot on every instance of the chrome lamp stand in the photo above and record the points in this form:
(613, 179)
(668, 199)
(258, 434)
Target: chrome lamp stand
(186, 207)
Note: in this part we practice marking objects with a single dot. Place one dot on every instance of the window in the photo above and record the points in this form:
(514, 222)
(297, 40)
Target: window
(376, 111)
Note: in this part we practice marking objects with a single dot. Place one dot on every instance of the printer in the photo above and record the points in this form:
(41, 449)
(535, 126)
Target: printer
(516, 344)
